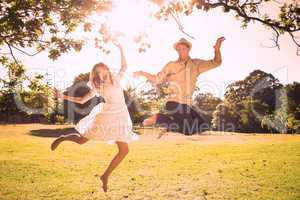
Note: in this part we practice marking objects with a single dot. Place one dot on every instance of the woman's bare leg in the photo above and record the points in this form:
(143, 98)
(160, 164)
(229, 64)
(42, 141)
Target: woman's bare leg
(74, 137)
(123, 151)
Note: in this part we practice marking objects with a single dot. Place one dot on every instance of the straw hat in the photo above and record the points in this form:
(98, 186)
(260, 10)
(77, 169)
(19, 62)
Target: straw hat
(182, 41)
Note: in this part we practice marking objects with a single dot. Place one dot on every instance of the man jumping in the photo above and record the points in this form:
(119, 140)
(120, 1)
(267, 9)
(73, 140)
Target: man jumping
(181, 75)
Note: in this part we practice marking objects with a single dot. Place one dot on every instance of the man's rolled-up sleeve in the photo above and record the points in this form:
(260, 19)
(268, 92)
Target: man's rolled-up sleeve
(205, 65)
(162, 75)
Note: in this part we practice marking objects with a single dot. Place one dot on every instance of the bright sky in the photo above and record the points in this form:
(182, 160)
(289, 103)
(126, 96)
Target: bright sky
(242, 51)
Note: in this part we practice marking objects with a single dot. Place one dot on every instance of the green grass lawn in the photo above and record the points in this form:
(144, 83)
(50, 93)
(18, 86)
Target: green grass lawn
(175, 167)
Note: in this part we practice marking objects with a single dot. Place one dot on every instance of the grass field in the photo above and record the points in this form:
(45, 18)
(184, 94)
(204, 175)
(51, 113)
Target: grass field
(174, 167)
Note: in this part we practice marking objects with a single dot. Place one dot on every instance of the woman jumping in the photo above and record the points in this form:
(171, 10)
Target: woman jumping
(111, 123)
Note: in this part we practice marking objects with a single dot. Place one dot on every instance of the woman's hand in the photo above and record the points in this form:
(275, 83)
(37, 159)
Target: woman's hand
(58, 94)
(117, 43)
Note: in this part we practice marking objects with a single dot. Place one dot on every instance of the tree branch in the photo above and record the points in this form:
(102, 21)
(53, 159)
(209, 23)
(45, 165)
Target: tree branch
(278, 26)
(245, 16)
(180, 26)
(26, 53)
(11, 51)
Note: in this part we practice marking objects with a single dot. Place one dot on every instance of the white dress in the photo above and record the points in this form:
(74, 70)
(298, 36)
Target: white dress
(109, 121)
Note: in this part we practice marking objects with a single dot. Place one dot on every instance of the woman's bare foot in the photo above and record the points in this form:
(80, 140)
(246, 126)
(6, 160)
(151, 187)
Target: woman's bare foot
(56, 142)
(104, 180)
(162, 132)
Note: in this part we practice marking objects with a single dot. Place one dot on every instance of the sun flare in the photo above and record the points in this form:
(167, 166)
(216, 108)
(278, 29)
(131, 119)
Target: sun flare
(130, 17)
(126, 20)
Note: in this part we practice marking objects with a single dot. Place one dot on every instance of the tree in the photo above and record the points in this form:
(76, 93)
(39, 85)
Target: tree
(153, 97)
(251, 112)
(36, 26)
(258, 85)
(287, 21)
(45, 25)
(247, 102)
(206, 104)
(286, 118)
(224, 119)
(24, 103)
(38, 99)
(138, 108)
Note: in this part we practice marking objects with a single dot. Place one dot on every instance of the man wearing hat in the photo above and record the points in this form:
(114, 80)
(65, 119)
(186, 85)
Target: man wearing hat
(181, 75)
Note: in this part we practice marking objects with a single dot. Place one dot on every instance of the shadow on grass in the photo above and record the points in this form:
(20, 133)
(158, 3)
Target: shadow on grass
(52, 132)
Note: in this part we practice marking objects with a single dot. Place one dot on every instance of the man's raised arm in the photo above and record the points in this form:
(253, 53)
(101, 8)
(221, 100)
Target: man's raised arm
(205, 65)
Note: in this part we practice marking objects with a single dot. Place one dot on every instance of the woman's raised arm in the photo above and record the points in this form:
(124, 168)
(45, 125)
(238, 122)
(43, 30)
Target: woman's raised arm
(123, 59)
(80, 100)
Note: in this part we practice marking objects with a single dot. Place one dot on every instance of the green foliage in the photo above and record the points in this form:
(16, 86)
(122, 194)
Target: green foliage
(259, 103)
(224, 118)
(152, 98)
(258, 84)
(39, 96)
(138, 108)
(286, 119)
(206, 104)
(248, 101)
(45, 25)
(15, 99)
(41, 26)
(250, 114)
(60, 119)
(15, 74)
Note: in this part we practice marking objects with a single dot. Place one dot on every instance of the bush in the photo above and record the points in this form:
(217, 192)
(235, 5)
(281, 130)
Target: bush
(60, 119)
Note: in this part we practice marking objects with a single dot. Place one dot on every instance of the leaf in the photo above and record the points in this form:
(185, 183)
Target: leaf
(87, 27)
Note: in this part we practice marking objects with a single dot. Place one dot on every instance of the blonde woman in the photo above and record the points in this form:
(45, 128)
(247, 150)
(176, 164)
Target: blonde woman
(112, 122)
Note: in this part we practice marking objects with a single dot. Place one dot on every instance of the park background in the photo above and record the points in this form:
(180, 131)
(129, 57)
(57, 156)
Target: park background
(251, 103)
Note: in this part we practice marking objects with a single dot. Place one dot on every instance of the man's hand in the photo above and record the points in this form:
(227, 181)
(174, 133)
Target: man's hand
(138, 73)
(219, 43)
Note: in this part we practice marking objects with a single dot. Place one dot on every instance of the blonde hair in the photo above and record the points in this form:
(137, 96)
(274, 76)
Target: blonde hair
(94, 79)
